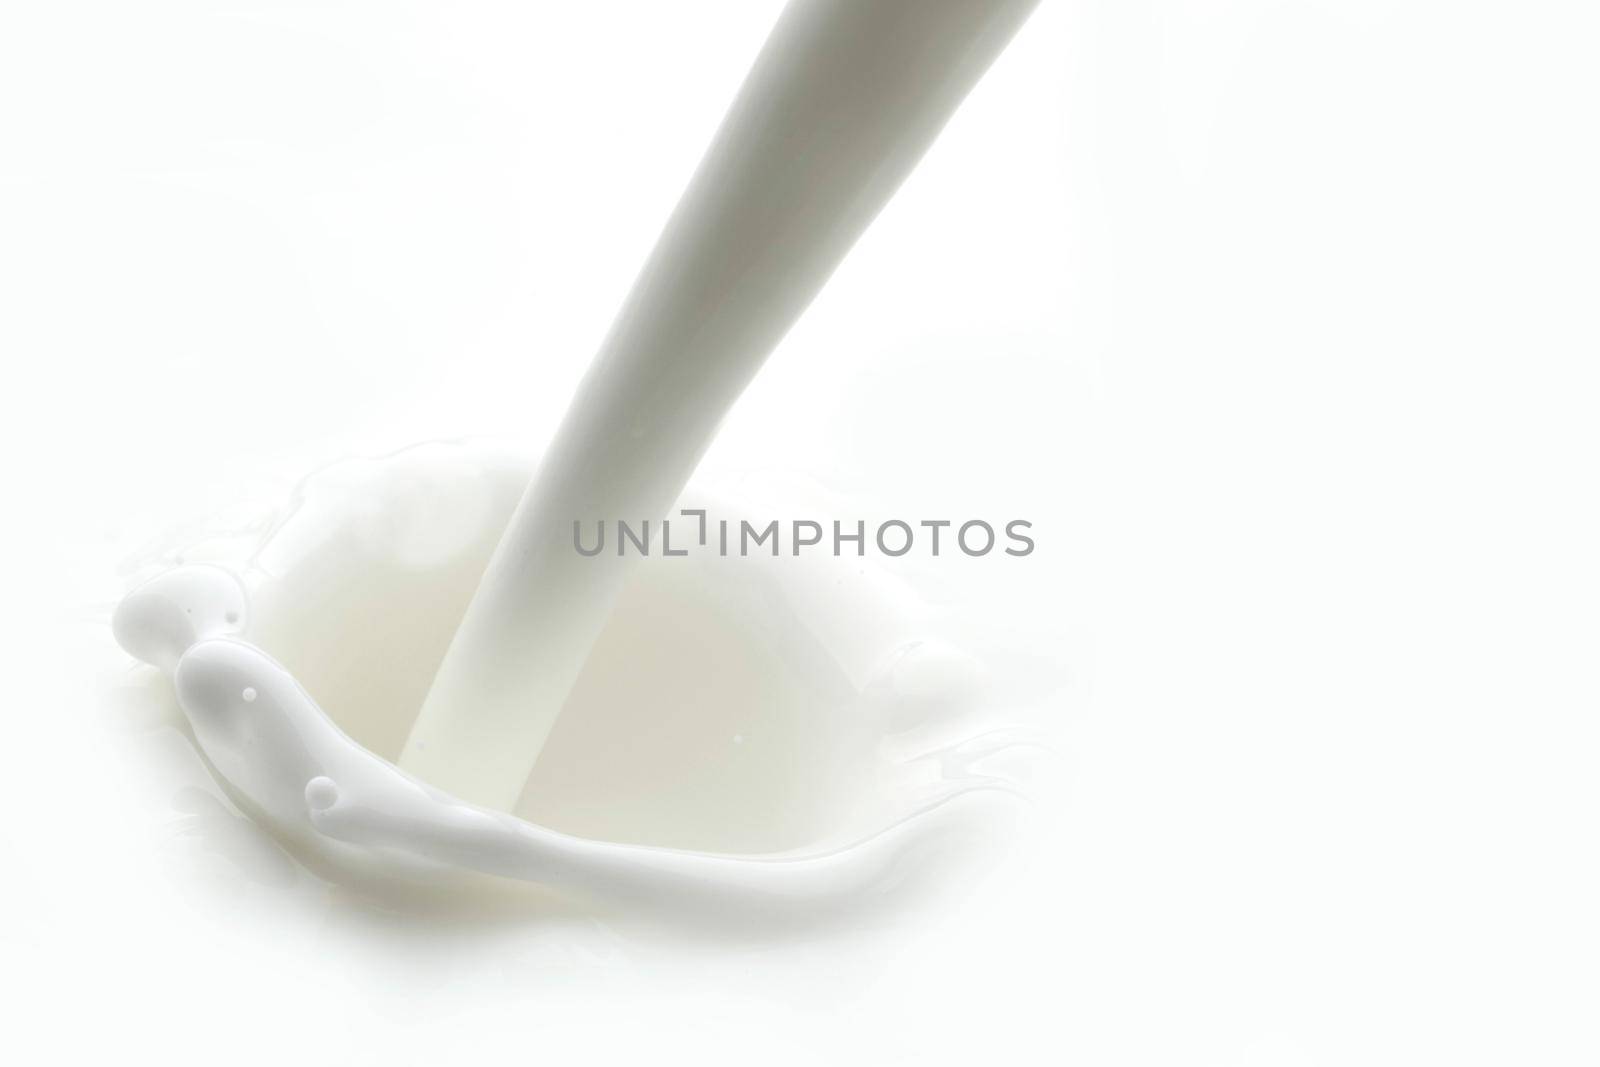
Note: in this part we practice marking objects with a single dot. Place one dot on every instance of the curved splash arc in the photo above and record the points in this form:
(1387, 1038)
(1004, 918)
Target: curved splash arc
(271, 741)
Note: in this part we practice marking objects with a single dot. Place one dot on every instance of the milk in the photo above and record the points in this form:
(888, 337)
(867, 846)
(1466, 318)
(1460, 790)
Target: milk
(842, 102)
(298, 667)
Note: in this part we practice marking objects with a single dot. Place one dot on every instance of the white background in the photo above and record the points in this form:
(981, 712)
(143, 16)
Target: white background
(1278, 317)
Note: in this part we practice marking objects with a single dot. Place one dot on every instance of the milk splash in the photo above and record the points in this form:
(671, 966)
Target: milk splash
(818, 744)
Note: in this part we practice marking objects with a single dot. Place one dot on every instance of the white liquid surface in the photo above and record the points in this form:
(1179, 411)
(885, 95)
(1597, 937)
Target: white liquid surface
(735, 748)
